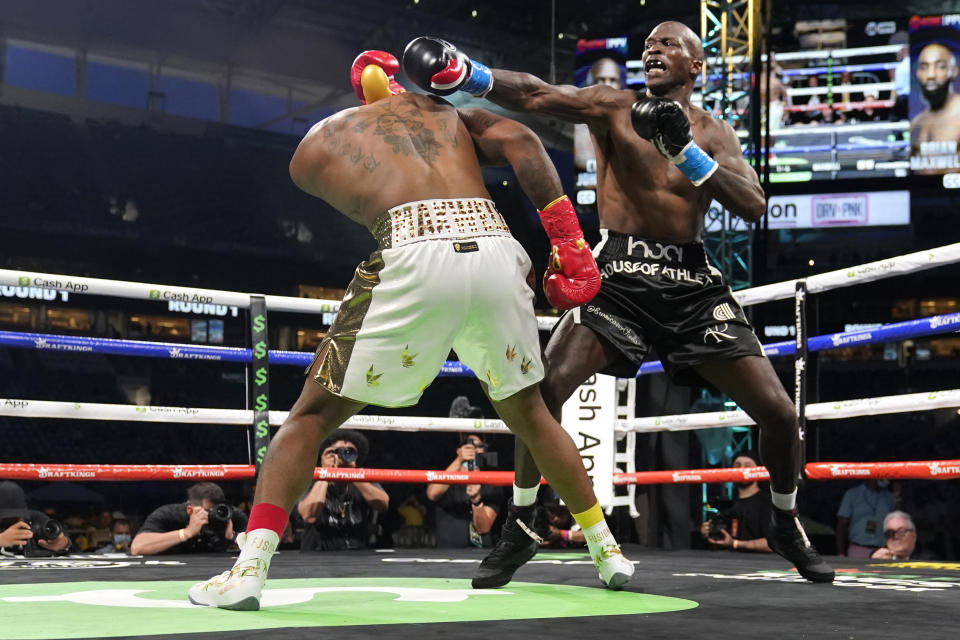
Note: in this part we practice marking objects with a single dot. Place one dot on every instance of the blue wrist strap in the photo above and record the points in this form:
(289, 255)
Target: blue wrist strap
(480, 80)
(695, 163)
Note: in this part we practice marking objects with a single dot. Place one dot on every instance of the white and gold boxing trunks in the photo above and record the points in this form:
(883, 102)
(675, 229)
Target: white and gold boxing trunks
(447, 275)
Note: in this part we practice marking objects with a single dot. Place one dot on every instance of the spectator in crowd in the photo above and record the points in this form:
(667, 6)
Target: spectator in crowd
(901, 536)
(860, 518)
(813, 100)
(745, 525)
(901, 77)
(556, 525)
(847, 94)
(412, 532)
(465, 513)
(341, 515)
(778, 95)
(17, 525)
(95, 531)
(205, 522)
(120, 537)
(868, 113)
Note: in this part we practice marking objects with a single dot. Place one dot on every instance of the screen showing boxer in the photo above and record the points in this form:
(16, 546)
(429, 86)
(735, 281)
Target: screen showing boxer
(934, 102)
(599, 61)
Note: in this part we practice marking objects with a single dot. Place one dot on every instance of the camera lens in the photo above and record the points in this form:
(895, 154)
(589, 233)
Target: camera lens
(347, 454)
(51, 530)
(221, 512)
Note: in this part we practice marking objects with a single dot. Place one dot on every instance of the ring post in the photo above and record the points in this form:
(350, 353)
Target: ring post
(260, 389)
(800, 362)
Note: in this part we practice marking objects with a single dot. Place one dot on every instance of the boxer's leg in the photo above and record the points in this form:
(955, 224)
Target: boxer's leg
(754, 385)
(573, 354)
(557, 456)
(285, 474)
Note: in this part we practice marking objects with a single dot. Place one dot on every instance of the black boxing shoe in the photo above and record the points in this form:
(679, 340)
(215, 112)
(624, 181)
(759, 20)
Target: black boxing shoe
(788, 539)
(518, 544)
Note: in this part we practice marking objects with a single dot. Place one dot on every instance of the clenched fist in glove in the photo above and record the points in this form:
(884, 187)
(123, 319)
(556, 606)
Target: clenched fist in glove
(372, 76)
(436, 66)
(664, 123)
(572, 277)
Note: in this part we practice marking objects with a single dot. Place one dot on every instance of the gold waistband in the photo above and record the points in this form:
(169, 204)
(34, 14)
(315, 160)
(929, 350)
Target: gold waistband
(429, 219)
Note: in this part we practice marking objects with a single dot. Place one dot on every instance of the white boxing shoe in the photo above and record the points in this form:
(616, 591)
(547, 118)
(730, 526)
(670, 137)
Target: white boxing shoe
(614, 569)
(240, 588)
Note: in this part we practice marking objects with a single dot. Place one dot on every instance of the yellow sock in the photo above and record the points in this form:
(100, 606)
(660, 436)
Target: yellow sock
(590, 517)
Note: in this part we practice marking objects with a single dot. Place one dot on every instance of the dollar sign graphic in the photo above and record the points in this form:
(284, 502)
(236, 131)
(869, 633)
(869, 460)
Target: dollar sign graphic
(260, 350)
(259, 322)
(261, 452)
(261, 404)
(260, 378)
(263, 429)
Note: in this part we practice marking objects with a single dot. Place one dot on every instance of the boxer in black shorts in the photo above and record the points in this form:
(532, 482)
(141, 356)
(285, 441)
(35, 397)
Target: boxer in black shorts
(661, 161)
(666, 297)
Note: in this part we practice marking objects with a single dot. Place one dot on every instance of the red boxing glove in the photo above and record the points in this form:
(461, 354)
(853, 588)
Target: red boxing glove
(572, 277)
(382, 59)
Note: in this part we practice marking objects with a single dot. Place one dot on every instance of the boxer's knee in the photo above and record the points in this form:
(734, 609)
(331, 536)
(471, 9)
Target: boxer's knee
(558, 384)
(779, 419)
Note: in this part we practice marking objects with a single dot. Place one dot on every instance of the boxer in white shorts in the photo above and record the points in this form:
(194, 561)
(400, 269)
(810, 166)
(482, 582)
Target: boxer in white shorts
(446, 274)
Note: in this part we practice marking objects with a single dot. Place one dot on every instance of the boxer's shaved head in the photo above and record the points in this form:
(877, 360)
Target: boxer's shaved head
(691, 41)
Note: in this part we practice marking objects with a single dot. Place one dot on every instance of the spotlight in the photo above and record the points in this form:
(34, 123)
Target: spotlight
(473, 14)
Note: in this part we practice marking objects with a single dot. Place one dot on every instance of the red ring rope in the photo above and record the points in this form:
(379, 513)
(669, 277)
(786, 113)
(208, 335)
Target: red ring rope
(915, 470)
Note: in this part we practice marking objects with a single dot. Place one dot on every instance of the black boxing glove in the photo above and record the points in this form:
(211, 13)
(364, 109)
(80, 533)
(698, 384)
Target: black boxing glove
(436, 66)
(664, 123)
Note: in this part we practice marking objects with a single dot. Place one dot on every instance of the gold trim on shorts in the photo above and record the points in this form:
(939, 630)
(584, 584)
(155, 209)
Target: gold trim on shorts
(442, 218)
(343, 333)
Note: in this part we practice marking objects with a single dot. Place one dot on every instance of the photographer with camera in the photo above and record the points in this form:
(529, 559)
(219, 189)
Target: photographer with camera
(744, 526)
(341, 515)
(25, 531)
(465, 513)
(204, 523)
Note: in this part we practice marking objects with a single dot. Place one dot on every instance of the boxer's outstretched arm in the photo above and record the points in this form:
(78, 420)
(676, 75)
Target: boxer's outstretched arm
(520, 91)
(572, 277)
(735, 184)
(500, 141)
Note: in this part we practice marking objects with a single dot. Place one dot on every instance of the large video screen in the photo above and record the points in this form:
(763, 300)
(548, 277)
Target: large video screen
(839, 94)
(598, 61)
(848, 99)
(934, 102)
(839, 102)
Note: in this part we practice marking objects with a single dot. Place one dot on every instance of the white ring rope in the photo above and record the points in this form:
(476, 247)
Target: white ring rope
(898, 265)
(842, 88)
(926, 401)
(244, 417)
(803, 130)
(821, 54)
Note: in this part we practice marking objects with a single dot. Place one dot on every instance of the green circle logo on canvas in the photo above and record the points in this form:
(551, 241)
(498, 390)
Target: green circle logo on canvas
(107, 609)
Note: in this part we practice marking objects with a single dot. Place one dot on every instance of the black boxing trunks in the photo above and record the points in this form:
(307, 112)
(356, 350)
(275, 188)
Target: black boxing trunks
(667, 298)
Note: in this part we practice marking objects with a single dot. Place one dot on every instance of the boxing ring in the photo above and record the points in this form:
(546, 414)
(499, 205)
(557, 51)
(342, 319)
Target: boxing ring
(135, 596)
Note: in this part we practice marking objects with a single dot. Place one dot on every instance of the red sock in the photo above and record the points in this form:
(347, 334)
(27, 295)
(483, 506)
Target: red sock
(268, 516)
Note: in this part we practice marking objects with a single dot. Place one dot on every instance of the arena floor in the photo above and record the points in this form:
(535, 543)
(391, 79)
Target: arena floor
(423, 594)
